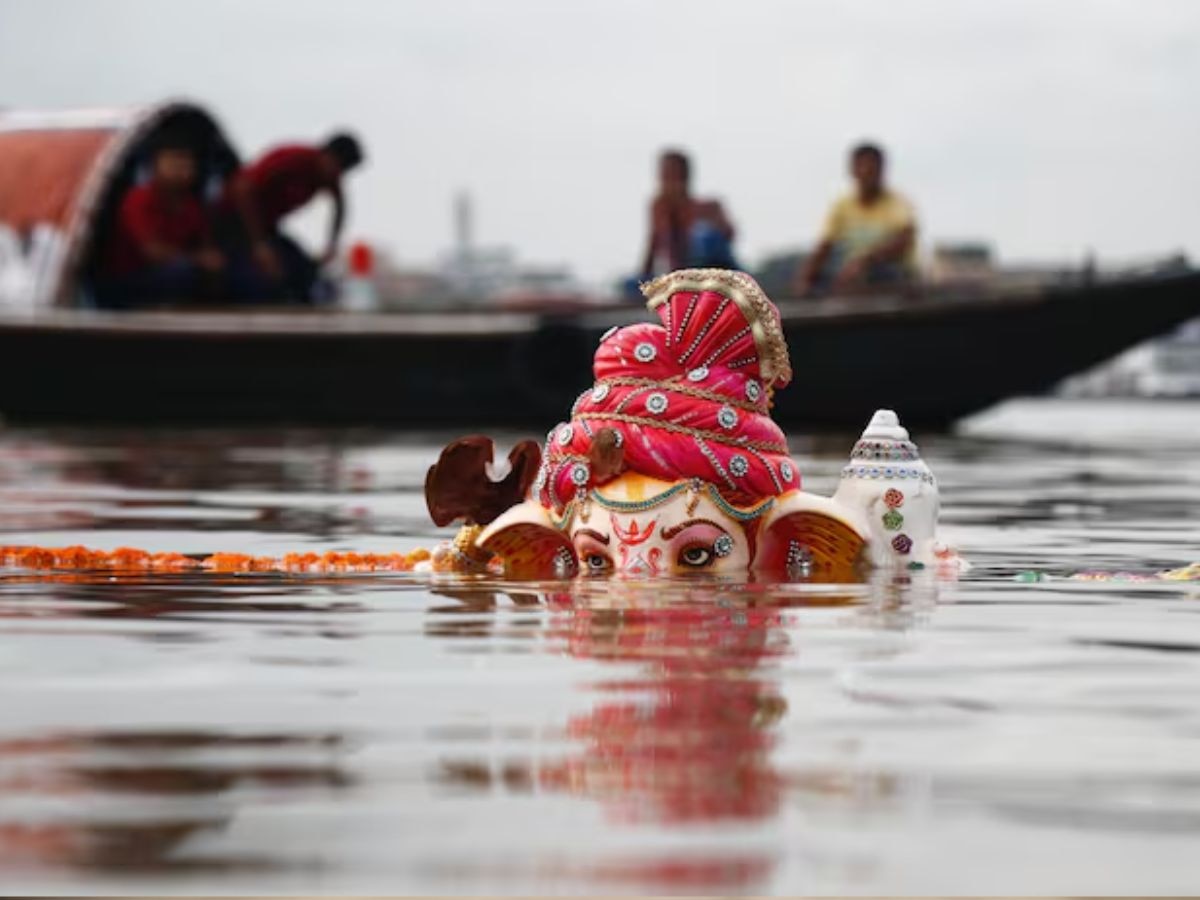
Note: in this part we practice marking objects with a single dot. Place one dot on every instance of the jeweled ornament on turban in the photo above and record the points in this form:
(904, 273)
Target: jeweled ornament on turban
(671, 464)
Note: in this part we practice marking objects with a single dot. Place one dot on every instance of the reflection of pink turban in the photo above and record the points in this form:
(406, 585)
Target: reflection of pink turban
(688, 398)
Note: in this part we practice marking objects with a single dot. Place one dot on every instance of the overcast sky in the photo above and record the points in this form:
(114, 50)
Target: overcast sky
(1047, 127)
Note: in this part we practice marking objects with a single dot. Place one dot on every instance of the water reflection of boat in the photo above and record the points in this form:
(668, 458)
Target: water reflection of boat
(937, 358)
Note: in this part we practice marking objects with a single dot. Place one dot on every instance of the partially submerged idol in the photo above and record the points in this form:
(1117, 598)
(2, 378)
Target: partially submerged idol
(671, 464)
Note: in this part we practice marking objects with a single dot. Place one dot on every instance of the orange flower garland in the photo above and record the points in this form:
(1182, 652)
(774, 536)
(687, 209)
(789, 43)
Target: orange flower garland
(130, 559)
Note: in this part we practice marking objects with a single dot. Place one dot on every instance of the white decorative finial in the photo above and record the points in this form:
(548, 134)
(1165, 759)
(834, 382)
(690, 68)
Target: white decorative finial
(890, 486)
(885, 425)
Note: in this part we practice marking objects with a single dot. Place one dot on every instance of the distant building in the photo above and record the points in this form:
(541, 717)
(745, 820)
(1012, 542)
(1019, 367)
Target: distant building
(968, 261)
(470, 275)
(474, 274)
(777, 272)
(493, 274)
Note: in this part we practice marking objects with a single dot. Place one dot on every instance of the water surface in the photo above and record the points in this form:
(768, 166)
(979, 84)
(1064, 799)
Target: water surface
(374, 734)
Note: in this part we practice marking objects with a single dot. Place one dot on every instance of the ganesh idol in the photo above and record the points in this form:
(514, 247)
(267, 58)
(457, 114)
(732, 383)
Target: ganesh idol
(670, 465)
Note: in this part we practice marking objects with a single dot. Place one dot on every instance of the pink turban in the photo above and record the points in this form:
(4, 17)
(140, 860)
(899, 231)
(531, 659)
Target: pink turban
(687, 398)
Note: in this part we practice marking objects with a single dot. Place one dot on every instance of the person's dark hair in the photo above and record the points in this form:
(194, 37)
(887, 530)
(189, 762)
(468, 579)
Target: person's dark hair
(680, 159)
(172, 141)
(868, 148)
(346, 149)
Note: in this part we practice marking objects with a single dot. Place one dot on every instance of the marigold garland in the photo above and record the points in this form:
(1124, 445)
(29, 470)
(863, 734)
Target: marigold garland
(131, 559)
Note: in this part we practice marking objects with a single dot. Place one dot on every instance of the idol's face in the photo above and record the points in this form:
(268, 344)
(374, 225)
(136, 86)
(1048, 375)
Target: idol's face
(636, 527)
(673, 532)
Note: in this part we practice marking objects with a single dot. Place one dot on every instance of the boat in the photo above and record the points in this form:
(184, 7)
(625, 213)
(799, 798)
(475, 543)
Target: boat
(938, 357)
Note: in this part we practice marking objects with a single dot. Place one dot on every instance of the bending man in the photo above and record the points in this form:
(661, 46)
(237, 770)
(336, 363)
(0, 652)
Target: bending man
(272, 266)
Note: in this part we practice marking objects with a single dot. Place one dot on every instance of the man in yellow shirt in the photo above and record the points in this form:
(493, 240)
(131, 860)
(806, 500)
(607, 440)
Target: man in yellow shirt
(870, 235)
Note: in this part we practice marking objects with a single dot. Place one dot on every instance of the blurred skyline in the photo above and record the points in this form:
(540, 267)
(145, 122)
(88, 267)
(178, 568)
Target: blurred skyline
(1046, 129)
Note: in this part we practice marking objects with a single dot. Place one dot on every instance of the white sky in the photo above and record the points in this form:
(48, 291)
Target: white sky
(1047, 126)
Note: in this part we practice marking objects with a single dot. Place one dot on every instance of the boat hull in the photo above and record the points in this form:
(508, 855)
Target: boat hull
(935, 360)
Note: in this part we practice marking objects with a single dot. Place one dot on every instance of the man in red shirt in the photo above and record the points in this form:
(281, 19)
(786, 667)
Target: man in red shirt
(160, 247)
(261, 195)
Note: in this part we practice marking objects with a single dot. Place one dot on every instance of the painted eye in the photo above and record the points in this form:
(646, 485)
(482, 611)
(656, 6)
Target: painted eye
(696, 557)
(596, 564)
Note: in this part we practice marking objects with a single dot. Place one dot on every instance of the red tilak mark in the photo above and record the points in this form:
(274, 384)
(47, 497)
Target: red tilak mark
(631, 535)
(640, 565)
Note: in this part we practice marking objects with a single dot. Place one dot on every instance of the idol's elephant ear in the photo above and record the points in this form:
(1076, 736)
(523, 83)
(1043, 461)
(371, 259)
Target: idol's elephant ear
(460, 486)
(811, 538)
(529, 545)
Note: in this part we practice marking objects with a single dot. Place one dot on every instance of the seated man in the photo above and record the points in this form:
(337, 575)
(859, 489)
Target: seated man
(270, 265)
(685, 232)
(870, 235)
(160, 248)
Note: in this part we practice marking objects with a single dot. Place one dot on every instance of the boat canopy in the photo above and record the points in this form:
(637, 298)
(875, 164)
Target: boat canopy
(62, 175)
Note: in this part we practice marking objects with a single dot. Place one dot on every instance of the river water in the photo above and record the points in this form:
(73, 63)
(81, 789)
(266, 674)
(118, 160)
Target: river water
(371, 734)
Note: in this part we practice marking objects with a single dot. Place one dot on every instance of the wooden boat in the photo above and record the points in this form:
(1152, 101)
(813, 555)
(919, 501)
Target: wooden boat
(935, 358)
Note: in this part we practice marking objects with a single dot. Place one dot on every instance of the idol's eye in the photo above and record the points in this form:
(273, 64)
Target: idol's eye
(596, 564)
(696, 556)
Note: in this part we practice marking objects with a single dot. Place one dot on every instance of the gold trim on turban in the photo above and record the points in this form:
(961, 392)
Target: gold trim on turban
(773, 362)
